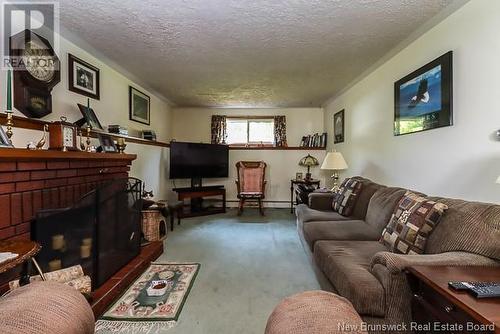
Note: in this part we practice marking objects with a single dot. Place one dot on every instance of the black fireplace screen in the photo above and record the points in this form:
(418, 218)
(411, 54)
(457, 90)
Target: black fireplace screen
(101, 232)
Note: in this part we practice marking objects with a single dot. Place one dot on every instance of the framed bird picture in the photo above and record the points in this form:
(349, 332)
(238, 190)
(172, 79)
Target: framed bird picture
(423, 99)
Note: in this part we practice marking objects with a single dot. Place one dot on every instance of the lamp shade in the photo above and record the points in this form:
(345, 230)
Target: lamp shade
(334, 161)
(308, 161)
(498, 180)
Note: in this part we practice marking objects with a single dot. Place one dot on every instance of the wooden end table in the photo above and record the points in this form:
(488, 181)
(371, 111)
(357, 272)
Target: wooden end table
(295, 182)
(435, 304)
(26, 250)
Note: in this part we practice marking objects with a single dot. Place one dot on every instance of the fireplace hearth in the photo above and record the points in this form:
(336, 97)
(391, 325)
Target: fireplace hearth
(101, 232)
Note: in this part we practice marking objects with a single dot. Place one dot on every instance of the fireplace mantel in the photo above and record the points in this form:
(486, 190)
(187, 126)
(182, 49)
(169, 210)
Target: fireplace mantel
(16, 154)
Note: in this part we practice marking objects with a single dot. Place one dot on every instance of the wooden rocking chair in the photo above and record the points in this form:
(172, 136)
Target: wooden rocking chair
(251, 184)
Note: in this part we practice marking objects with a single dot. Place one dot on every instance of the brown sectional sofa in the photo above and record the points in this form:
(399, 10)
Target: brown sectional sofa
(350, 261)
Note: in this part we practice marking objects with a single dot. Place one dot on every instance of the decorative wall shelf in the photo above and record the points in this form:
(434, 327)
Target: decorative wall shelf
(288, 148)
(35, 124)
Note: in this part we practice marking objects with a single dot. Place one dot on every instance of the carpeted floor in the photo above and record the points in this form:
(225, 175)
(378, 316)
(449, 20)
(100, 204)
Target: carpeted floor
(248, 264)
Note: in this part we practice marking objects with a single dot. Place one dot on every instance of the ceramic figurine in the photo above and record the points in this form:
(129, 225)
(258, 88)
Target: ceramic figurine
(43, 140)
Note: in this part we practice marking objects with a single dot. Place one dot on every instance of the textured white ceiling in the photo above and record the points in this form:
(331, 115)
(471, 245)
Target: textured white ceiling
(258, 53)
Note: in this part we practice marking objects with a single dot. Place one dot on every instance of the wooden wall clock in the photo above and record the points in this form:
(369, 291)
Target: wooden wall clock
(37, 74)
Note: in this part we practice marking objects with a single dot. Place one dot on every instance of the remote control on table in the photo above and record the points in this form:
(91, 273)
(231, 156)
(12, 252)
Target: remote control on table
(485, 289)
(478, 289)
(459, 286)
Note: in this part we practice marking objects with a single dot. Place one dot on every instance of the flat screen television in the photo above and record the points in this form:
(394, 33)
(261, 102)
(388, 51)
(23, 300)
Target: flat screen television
(196, 161)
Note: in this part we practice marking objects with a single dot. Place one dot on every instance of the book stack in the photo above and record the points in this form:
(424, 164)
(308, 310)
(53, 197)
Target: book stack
(315, 140)
(118, 129)
(149, 135)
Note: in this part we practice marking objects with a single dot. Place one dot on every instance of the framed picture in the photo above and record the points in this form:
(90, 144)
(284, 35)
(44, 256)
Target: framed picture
(423, 99)
(83, 77)
(4, 140)
(139, 106)
(107, 143)
(299, 176)
(338, 127)
(89, 117)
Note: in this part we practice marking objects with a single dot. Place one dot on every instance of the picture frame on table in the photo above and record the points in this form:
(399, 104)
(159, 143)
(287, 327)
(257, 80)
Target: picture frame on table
(423, 100)
(89, 117)
(84, 78)
(299, 176)
(140, 106)
(107, 143)
(338, 127)
(4, 140)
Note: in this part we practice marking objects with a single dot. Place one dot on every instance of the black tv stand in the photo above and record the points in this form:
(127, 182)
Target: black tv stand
(196, 194)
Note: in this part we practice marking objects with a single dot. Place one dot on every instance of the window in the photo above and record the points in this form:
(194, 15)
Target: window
(250, 131)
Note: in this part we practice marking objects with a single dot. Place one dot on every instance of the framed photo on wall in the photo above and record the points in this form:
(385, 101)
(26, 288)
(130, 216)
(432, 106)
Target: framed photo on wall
(83, 77)
(338, 127)
(423, 99)
(139, 106)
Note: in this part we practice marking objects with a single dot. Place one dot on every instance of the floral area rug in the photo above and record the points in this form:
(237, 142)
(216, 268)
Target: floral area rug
(137, 312)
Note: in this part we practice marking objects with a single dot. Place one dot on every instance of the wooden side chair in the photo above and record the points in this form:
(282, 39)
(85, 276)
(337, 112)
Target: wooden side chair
(251, 183)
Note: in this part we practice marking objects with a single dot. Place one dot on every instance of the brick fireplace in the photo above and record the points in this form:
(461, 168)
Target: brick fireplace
(31, 181)
(35, 180)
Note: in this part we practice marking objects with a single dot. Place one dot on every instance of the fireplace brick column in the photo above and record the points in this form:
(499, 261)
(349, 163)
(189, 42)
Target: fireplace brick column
(35, 180)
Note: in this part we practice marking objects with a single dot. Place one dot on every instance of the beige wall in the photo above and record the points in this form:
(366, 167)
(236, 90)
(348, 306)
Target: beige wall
(193, 124)
(458, 161)
(112, 108)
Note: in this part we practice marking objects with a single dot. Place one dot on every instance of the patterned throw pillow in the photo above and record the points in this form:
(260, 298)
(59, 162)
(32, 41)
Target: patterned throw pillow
(411, 224)
(345, 197)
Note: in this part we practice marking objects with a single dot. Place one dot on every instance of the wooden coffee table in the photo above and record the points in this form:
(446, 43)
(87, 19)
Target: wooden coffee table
(434, 302)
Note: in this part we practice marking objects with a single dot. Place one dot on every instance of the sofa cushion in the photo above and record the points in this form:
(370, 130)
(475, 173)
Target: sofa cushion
(382, 206)
(347, 265)
(411, 224)
(346, 196)
(339, 230)
(306, 214)
(364, 197)
(468, 227)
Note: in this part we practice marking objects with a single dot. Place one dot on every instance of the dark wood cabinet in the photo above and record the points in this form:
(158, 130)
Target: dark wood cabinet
(437, 308)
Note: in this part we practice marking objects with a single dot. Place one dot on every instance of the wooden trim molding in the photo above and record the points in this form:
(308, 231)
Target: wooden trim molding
(35, 124)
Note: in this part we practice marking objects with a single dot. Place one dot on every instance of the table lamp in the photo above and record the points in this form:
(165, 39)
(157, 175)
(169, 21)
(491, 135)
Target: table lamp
(334, 161)
(308, 161)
